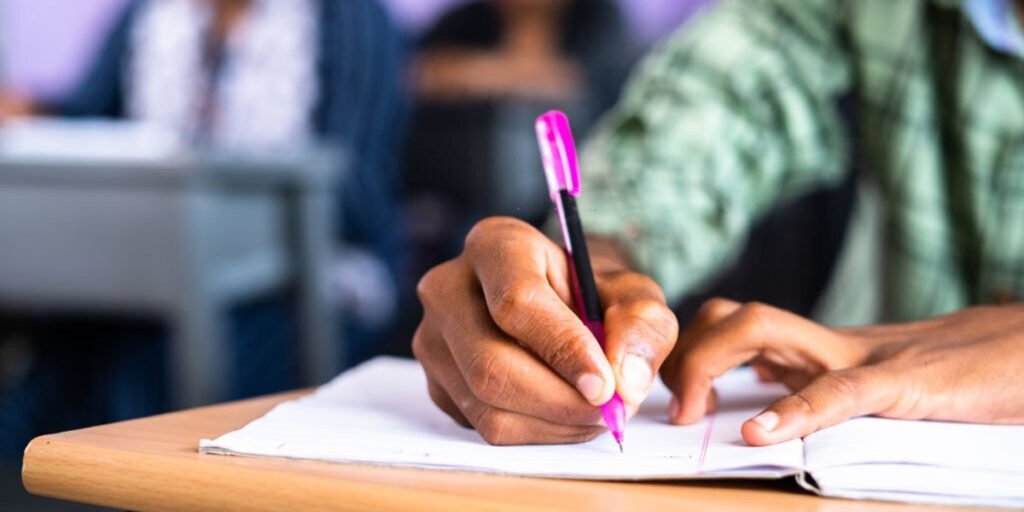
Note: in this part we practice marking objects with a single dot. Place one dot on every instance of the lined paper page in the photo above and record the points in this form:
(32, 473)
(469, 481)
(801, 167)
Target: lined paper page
(922, 461)
(916, 479)
(935, 443)
(380, 413)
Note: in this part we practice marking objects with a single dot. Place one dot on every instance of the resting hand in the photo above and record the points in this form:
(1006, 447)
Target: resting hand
(14, 105)
(504, 352)
(959, 367)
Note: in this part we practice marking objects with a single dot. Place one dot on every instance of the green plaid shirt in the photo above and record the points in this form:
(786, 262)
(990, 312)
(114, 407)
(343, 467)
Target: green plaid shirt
(740, 111)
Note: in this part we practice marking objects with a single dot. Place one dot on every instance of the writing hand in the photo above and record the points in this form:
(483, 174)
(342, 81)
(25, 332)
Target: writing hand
(504, 352)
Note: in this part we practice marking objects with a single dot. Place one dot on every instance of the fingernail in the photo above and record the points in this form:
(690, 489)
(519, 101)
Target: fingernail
(768, 420)
(636, 375)
(591, 386)
(673, 408)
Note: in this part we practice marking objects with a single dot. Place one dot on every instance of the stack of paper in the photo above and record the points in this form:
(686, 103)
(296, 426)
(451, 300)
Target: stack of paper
(380, 413)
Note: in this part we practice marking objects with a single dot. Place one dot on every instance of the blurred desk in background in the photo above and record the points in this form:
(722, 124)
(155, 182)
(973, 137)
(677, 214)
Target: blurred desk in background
(180, 237)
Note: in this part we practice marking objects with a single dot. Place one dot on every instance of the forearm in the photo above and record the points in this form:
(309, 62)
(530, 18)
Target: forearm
(705, 141)
(1004, 321)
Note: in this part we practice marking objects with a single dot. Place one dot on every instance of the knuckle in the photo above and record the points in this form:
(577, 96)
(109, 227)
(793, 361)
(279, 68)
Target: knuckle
(841, 384)
(564, 352)
(495, 426)
(647, 283)
(756, 318)
(803, 403)
(479, 234)
(625, 279)
(426, 284)
(418, 340)
(483, 234)
(908, 401)
(716, 309)
(488, 377)
(838, 391)
(430, 285)
(646, 311)
(644, 281)
(758, 311)
(631, 282)
(656, 316)
(509, 306)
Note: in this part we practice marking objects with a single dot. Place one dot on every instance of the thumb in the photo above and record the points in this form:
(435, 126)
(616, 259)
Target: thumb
(831, 398)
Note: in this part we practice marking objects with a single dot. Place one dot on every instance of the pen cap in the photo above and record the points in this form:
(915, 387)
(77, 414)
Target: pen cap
(558, 154)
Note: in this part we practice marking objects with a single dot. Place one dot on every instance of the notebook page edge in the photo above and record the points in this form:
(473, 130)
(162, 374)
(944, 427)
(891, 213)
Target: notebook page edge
(740, 473)
(239, 442)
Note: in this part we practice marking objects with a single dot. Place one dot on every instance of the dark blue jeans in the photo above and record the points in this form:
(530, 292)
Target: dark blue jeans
(90, 371)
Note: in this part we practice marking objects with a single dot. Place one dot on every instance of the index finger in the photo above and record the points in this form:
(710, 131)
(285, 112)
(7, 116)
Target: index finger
(518, 272)
(640, 330)
(751, 330)
(502, 373)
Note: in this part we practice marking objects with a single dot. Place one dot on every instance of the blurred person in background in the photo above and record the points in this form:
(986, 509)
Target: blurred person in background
(482, 73)
(239, 74)
(554, 50)
(648, 20)
(749, 107)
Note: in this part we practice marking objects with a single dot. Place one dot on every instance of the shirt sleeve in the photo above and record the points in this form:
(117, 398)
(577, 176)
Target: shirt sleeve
(735, 112)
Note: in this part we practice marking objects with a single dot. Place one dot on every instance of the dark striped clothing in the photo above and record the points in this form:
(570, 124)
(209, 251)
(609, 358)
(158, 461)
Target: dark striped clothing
(361, 107)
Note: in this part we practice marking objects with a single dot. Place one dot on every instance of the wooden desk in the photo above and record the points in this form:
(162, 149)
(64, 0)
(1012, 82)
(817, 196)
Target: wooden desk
(152, 464)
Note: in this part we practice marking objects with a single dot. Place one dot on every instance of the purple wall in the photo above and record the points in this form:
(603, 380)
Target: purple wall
(415, 16)
(653, 19)
(47, 44)
(650, 19)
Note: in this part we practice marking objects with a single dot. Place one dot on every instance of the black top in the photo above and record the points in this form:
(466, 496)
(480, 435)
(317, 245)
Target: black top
(593, 32)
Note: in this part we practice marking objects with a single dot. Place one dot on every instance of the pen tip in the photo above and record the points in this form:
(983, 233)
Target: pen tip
(620, 447)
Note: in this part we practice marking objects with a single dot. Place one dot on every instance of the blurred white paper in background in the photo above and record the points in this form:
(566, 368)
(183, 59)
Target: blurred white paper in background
(54, 140)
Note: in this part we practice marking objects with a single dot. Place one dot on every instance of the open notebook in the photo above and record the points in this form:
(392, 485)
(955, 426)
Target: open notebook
(380, 413)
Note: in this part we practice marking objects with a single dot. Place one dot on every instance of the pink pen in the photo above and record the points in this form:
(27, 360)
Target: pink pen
(561, 168)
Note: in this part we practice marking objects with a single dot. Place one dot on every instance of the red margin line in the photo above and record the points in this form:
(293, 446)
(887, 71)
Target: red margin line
(705, 443)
